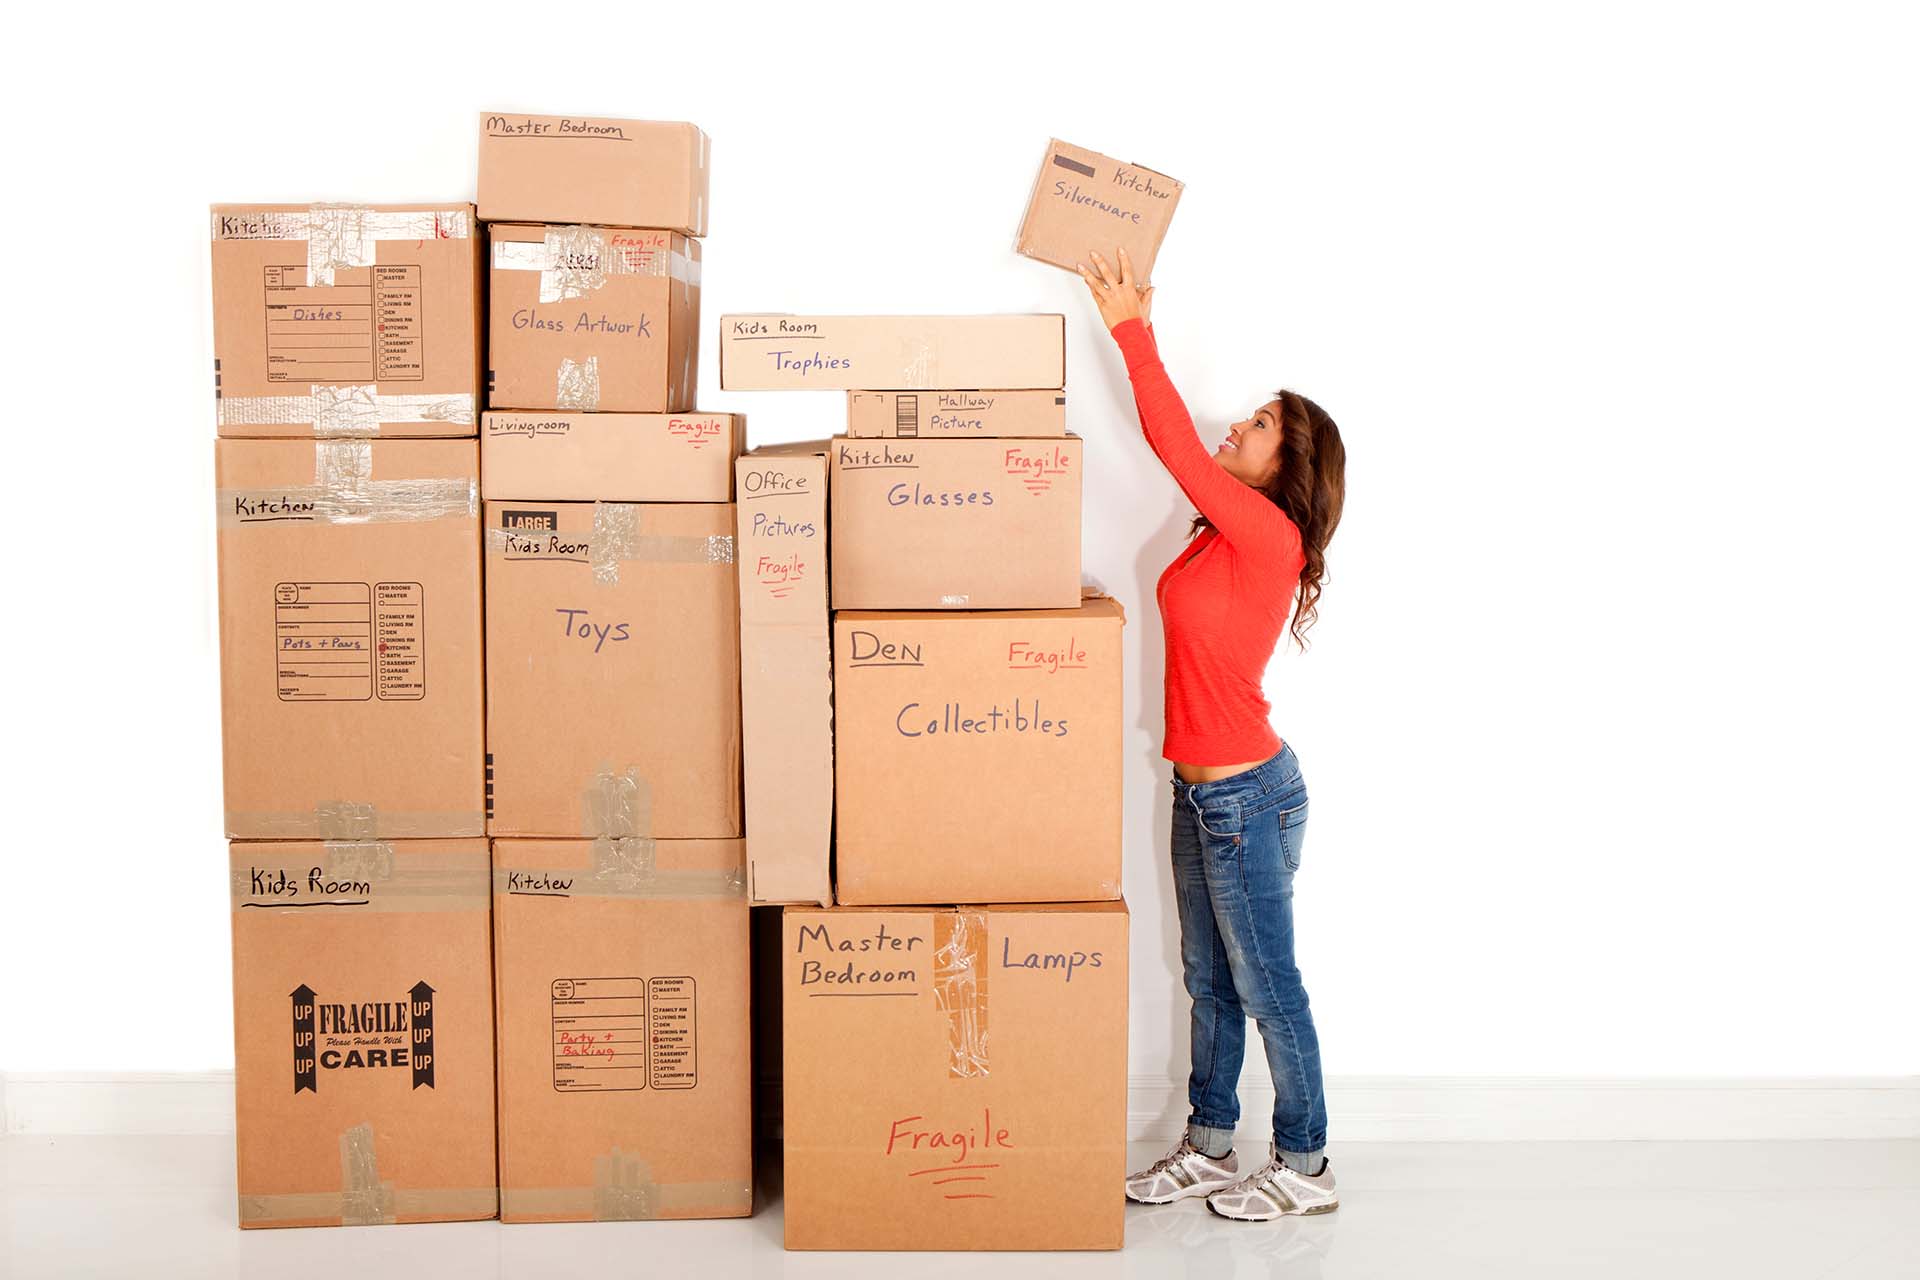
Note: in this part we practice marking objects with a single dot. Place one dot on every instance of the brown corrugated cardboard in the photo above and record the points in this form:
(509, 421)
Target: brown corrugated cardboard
(955, 1079)
(595, 319)
(933, 414)
(977, 755)
(956, 524)
(573, 169)
(350, 637)
(346, 320)
(614, 457)
(1085, 203)
(625, 1066)
(362, 1032)
(613, 670)
(786, 672)
(891, 353)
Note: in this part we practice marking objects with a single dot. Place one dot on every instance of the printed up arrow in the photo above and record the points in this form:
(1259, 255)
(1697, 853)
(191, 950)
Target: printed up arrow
(420, 1017)
(305, 1066)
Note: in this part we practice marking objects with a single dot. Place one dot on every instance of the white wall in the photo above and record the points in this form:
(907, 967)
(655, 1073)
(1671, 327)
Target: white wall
(1614, 689)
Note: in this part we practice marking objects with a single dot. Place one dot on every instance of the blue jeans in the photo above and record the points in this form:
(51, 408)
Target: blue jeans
(1236, 846)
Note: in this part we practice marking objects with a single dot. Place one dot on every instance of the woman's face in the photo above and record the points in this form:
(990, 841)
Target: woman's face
(1251, 451)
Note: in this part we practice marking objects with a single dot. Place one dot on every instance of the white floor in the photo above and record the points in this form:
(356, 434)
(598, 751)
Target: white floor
(164, 1207)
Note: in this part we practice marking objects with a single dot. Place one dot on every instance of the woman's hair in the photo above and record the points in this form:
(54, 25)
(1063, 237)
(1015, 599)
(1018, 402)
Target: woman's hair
(1310, 486)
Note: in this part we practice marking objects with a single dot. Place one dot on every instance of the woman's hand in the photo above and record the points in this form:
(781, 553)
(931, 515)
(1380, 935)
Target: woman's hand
(1118, 298)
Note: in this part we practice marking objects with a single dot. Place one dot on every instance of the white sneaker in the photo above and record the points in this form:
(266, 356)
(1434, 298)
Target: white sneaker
(1276, 1192)
(1182, 1172)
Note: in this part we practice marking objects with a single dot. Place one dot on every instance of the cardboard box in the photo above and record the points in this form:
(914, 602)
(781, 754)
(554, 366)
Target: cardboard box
(362, 1032)
(596, 319)
(786, 673)
(350, 637)
(1085, 203)
(574, 169)
(956, 524)
(977, 755)
(346, 320)
(613, 670)
(625, 1079)
(892, 353)
(933, 414)
(615, 457)
(983, 1105)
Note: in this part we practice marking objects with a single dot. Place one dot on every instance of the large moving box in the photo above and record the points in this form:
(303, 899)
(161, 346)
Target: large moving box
(956, 524)
(615, 457)
(613, 670)
(573, 169)
(934, 414)
(346, 320)
(786, 673)
(625, 1066)
(891, 353)
(362, 1031)
(955, 1079)
(350, 637)
(1085, 203)
(599, 319)
(978, 755)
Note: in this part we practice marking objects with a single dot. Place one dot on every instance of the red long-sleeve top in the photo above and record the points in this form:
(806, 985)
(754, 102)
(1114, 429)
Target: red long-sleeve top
(1225, 598)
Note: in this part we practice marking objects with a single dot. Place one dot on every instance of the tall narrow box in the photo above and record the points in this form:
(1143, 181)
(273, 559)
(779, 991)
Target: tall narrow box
(350, 637)
(786, 672)
(613, 670)
(978, 755)
(597, 319)
(363, 1032)
(955, 1078)
(625, 1080)
(346, 320)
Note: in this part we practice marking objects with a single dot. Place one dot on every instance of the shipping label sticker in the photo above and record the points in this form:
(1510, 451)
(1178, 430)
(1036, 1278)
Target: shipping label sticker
(367, 326)
(400, 620)
(599, 1034)
(323, 641)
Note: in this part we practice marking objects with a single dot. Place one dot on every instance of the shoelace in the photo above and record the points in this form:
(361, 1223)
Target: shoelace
(1173, 1158)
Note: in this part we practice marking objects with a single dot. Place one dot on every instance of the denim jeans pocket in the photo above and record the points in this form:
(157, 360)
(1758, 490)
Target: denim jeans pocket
(1293, 834)
(1220, 819)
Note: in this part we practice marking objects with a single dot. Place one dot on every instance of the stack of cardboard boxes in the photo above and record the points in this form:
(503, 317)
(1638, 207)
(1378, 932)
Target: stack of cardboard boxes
(613, 688)
(955, 1029)
(347, 379)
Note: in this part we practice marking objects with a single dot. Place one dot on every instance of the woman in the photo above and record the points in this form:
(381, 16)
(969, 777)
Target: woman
(1268, 501)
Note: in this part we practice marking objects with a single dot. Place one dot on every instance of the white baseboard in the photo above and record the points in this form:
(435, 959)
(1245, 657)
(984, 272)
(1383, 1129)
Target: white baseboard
(1361, 1108)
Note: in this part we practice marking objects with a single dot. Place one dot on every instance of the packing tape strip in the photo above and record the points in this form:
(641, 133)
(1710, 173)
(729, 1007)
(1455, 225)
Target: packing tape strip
(342, 235)
(408, 1204)
(575, 261)
(633, 1200)
(347, 409)
(616, 805)
(617, 539)
(577, 384)
(344, 492)
(960, 988)
(343, 821)
(357, 875)
(919, 363)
